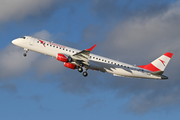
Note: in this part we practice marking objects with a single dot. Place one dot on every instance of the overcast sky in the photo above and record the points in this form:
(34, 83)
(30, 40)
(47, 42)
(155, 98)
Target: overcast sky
(136, 32)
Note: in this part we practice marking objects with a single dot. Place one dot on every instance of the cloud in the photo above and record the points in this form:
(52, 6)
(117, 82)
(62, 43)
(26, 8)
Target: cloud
(11, 88)
(36, 98)
(134, 39)
(94, 103)
(13, 62)
(140, 40)
(142, 103)
(145, 35)
(20, 9)
(116, 10)
(44, 34)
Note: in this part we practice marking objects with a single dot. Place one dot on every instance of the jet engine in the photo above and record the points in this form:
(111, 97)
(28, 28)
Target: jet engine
(63, 58)
(69, 65)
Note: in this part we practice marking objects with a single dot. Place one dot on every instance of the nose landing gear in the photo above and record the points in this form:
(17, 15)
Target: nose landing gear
(25, 54)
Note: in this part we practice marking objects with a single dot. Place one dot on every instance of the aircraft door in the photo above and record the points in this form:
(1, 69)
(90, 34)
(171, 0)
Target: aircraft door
(31, 41)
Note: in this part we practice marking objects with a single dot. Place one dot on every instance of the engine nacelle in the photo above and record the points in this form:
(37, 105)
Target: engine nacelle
(62, 57)
(69, 65)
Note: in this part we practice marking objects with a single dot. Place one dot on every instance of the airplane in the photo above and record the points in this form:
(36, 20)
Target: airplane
(82, 60)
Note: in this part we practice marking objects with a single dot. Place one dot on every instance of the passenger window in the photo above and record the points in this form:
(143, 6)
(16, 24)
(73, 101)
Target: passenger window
(53, 46)
(57, 47)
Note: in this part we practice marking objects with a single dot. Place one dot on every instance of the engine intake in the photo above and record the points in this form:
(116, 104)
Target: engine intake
(69, 59)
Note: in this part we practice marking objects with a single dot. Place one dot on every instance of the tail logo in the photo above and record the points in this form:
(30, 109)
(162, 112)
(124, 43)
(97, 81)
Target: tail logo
(163, 62)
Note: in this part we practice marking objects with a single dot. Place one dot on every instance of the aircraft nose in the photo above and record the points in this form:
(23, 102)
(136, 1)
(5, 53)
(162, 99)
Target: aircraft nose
(13, 42)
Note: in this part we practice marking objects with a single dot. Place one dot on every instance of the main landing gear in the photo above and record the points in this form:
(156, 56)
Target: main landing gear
(80, 69)
(25, 54)
(85, 74)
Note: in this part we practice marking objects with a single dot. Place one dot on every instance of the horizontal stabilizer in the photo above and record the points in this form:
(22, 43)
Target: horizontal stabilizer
(157, 73)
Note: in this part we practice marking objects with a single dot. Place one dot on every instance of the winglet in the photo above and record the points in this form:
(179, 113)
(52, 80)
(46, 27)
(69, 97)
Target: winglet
(90, 49)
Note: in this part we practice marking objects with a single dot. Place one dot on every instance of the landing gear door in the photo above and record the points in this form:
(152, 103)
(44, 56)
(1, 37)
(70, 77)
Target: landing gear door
(31, 41)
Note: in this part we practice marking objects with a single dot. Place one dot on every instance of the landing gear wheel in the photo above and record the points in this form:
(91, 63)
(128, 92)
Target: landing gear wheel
(24, 54)
(85, 74)
(80, 69)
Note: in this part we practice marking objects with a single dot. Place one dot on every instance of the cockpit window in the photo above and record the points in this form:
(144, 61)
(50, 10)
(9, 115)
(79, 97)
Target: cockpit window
(23, 37)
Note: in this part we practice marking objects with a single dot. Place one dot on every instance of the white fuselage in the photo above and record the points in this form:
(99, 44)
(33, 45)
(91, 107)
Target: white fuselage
(95, 62)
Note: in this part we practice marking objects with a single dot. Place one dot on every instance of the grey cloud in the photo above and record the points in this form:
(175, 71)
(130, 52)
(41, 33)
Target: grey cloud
(137, 40)
(11, 88)
(43, 34)
(115, 10)
(140, 40)
(141, 35)
(36, 98)
(94, 103)
(13, 63)
(142, 103)
(20, 9)
(90, 32)
(134, 40)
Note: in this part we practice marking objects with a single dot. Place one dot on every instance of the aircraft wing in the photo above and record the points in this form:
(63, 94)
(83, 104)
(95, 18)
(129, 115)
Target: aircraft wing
(82, 57)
